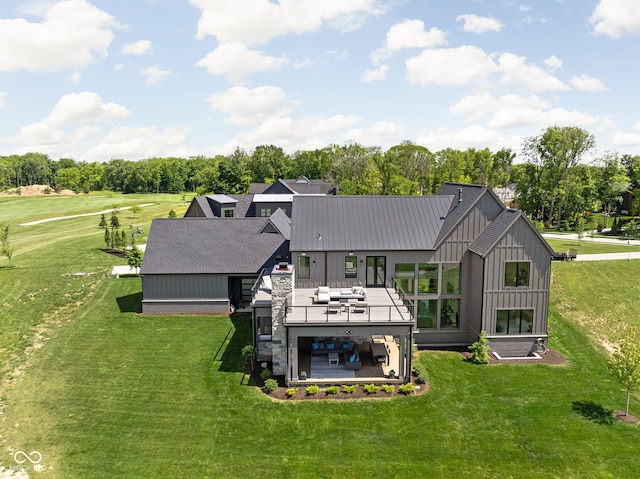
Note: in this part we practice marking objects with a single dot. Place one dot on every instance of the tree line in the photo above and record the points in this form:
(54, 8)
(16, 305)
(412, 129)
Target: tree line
(554, 183)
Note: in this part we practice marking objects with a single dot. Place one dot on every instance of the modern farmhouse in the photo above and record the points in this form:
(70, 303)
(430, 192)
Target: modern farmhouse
(342, 288)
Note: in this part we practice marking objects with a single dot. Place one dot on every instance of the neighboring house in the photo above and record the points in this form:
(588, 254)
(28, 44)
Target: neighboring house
(263, 201)
(507, 194)
(376, 274)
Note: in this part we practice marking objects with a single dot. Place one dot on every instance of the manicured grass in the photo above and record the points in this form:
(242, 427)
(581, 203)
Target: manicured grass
(111, 393)
(586, 246)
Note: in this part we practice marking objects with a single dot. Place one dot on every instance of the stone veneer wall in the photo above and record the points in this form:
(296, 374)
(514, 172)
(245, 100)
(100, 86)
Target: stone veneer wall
(282, 286)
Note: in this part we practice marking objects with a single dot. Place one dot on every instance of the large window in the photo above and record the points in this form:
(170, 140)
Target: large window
(427, 313)
(516, 273)
(450, 313)
(351, 266)
(427, 278)
(405, 275)
(514, 321)
(304, 270)
(451, 278)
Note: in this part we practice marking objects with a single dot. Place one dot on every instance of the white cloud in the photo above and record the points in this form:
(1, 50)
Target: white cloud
(553, 63)
(621, 139)
(450, 66)
(516, 71)
(408, 34)
(517, 117)
(244, 106)
(236, 62)
(258, 21)
(375, 74)
(476, 24)
(136, 48)
(72, 34)
(84, 107)
(616, 17)
(587, 83)
(75, 77)
(293, 134)
(485, 104)
(154, 75)
(138, 143)
(384, 134)
(470, 137)
(38, 134)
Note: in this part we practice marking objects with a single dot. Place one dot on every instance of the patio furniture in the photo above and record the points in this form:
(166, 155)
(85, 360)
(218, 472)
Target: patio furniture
(334, 359)
(359, 307)
(379, 352)
(334, 307)
(322, 295)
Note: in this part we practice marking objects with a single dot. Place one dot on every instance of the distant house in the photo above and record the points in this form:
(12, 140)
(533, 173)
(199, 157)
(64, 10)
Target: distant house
(344, 287)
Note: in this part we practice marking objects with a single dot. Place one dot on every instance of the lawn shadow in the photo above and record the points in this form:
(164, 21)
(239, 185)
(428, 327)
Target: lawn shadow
(594, 412)
(132, 303)
(229, 351)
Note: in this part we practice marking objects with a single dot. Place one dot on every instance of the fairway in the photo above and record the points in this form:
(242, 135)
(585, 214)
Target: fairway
(103, 391)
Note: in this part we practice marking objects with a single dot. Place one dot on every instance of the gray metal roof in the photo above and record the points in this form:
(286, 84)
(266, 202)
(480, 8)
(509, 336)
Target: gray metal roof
(218, 245)
(464, 199)
(377, 223)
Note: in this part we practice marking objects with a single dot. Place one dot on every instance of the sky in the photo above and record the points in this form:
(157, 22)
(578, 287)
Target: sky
(94, 80)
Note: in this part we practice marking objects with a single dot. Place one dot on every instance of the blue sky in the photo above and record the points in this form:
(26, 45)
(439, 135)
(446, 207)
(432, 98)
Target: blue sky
(99, 79)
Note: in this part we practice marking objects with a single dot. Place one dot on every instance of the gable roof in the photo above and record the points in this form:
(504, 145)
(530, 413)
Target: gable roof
(280, 222)
(465, 198)
(377, 223)
(219, 245)
(493, 233)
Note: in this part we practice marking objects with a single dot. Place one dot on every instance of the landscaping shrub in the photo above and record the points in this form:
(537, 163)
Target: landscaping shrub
(332, 390)
(266, 374)
(388, 388)
(371, 388)
(480, 349)
(421, 380)
(271, 385)
(291, 392)
(406, 388)
(349, 388)
(312, 390)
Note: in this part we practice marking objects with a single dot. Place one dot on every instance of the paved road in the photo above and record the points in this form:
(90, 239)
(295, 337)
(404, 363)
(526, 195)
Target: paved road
(602, 256)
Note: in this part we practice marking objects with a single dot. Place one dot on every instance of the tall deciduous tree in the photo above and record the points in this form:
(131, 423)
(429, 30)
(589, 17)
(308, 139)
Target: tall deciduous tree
(612, 182)
(625, 363)
(557, 151)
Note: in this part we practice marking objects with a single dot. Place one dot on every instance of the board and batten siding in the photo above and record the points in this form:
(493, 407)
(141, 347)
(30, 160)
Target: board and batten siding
(185, 286)
(520, 244)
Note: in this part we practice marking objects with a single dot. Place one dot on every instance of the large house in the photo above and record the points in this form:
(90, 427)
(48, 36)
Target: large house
(343, 287)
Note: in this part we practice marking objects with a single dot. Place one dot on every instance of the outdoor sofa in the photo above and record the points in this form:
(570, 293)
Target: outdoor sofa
(348, 349)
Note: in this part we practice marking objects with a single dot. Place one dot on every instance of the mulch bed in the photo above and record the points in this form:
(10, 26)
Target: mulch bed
(115, 252)
(630, 419)
(551, 357)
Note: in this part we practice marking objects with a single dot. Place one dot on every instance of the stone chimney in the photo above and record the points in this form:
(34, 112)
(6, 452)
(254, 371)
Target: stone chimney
(282, 289)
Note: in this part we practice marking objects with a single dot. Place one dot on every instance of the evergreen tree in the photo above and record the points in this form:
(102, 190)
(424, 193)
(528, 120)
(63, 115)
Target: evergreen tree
(103, 221)
(115, 222)
(107, 237)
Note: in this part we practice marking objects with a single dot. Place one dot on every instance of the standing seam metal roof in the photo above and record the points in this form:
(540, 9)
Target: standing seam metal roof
(342, 223)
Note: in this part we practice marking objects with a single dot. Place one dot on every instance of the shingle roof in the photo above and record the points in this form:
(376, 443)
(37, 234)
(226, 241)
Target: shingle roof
(281, 222)
(342, 223)
(219, 245)
(492, 233)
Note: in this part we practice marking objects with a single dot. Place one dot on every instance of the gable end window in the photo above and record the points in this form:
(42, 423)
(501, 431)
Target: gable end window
(304, 270)
(517, 273)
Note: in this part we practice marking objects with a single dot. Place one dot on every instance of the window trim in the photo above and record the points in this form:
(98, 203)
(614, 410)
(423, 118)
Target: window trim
(516, 277)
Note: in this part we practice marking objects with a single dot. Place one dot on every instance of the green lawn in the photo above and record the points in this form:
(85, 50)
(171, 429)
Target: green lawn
(586, 246)
(110, 393)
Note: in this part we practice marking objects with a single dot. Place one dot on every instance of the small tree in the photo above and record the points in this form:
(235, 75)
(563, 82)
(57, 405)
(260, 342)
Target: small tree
(135, 209)
(115, 222)
(172, 214)
(249, 351)
(134, 257)
(5, 246)
(480, 349)
(107, 237)
(579, 227)
(625, 363)
(103, 221)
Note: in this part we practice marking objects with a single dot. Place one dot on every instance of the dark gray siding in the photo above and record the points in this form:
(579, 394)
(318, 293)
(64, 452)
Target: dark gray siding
(520, 243)
(185, 286)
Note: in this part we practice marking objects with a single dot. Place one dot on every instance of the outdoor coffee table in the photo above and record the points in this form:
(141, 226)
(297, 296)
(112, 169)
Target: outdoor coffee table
(334, 359)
